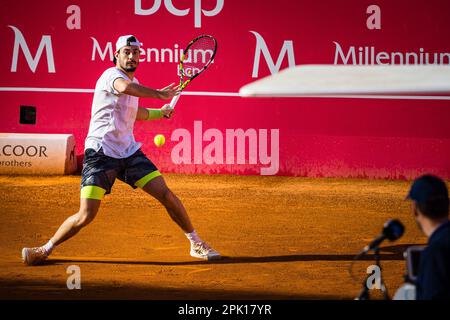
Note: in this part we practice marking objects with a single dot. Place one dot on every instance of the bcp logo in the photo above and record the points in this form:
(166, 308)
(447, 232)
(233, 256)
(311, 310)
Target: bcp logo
(198, 11)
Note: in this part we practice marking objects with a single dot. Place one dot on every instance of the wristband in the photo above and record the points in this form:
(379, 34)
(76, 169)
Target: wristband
(154, 114)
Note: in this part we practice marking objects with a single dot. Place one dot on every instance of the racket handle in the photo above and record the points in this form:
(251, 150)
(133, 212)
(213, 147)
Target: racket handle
(174, 101)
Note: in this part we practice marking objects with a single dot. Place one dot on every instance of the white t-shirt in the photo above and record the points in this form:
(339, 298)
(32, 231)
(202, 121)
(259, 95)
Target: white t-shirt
(113, 117)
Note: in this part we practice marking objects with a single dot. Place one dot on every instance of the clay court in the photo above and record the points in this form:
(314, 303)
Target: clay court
(283, 238)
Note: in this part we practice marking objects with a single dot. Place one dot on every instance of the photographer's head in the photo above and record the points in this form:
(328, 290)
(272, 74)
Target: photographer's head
(430, 203)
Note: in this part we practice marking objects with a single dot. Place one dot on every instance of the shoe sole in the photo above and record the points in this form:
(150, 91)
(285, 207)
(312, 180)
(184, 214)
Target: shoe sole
(209, 258)
(25, 256)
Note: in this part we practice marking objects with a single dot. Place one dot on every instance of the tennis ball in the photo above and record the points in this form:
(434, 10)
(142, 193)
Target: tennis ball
(159, 140)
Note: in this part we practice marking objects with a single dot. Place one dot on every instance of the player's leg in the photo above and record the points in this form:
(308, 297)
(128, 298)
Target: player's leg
(157, 188)
(72, 225)
(142, 173)
(98, 176)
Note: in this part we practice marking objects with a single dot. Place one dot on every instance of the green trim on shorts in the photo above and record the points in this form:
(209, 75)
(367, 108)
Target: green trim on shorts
(143, 181)
(92, 192)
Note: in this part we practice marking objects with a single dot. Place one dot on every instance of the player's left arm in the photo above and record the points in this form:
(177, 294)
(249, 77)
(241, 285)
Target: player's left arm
(128, 87)
(154, 114)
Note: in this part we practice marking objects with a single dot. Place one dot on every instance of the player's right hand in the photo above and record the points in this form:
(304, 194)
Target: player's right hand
(169, 92)
(167, 111)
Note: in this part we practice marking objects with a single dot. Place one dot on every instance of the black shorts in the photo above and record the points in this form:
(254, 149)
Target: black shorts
(100, 171)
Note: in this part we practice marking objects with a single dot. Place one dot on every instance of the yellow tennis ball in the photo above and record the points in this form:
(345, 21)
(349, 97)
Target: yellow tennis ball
(159, 140)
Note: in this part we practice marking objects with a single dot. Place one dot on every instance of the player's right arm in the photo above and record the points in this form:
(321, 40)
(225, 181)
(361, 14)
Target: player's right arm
(124, 86)
(154, 114)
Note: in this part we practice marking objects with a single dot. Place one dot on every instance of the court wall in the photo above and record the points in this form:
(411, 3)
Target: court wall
(55, 51)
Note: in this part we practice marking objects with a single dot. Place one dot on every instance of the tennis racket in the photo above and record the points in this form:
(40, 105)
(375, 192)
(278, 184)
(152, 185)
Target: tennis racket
(195, 59)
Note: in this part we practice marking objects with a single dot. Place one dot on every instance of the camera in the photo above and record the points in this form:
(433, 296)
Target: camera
(412, 257)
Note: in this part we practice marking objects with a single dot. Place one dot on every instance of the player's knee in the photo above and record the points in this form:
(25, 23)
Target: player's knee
(167, 197)
(84, 217)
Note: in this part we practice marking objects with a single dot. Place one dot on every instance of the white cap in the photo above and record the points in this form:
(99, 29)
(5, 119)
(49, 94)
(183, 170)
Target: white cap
(128, 40)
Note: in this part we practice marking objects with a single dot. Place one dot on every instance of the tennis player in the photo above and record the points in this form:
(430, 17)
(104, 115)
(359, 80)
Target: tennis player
(111, 152)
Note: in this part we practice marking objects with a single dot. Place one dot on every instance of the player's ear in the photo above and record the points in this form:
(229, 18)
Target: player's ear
(116, 56)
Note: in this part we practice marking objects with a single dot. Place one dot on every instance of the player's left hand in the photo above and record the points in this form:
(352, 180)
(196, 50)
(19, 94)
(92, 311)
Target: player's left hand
(167, 111)
(169, 92)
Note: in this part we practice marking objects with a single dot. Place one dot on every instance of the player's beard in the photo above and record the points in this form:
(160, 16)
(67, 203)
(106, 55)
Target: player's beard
(130, 68)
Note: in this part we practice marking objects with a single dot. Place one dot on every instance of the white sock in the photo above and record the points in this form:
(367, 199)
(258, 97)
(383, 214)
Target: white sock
(193, 236)
(48, 246)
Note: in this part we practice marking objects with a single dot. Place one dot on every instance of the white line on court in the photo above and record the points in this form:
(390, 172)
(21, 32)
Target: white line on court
(230, 94)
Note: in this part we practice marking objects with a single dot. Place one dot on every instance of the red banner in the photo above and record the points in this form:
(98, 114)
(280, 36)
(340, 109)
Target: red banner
(55, 51)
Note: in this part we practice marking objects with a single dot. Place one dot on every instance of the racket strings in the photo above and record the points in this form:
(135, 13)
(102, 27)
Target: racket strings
(198, 55)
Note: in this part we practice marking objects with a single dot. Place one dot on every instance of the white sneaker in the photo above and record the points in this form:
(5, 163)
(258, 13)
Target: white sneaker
(34, 256)
(203, 251)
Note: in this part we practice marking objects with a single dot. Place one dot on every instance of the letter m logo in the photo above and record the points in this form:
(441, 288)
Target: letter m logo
(261, 46)
(19, 42)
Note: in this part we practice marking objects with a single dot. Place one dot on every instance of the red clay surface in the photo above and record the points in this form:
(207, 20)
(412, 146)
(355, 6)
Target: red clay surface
(283, 238)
